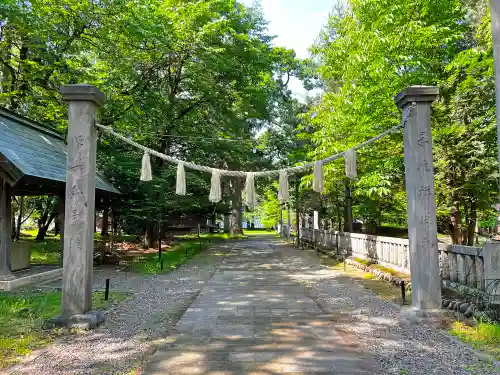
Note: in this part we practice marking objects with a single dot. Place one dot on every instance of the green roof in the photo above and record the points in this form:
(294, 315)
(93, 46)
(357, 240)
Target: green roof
(33, 157)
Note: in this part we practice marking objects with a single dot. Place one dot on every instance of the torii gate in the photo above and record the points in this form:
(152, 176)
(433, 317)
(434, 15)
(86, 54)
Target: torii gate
(84, 102)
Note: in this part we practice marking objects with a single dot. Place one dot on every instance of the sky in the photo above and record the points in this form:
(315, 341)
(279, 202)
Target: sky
(296, 25)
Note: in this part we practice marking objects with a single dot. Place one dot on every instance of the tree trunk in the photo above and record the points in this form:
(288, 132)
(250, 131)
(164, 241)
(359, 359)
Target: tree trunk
(115, 221)
(238, 199)
(226, 223)
(236, 217)
(43, 225)
(471, 224)
(105, 222)
(57, 226)
(348, 227)
(455, 225)
(151, 234)
(42, 231)
(339, 217)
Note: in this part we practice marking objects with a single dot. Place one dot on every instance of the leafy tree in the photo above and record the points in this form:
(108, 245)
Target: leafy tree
(369, 51)
(184, 78)
(466, 156)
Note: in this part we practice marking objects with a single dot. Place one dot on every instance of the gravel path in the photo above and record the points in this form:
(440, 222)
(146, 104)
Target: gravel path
(378, 328)
(134, 327)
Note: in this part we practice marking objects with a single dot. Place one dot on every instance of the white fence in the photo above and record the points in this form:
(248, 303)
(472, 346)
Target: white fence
(461, 264)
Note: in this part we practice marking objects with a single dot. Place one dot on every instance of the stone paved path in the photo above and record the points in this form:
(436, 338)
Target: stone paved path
(251, 317)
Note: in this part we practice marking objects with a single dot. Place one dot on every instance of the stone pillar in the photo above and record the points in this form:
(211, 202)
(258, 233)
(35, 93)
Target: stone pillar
(491, 257)
(419, 173)
(453, 264)
(5, 231)
(445, 265)
(84, 102)
(471, 270)
(462, 269)
(480, 273)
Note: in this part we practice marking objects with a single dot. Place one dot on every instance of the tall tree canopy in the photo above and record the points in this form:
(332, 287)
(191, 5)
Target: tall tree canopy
(370, 50)
(194, 79)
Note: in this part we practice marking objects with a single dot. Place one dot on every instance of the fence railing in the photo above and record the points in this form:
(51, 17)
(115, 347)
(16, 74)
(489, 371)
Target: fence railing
(461, 264)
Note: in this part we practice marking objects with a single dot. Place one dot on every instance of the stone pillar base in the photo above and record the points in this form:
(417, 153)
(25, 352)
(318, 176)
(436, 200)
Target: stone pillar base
(413, 315)
(88, 321)
(7, 277)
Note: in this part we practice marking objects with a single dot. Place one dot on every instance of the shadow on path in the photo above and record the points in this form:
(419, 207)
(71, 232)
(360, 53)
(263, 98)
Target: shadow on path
(252, 317)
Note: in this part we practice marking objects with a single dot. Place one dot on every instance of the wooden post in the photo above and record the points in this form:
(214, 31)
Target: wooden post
(84, 102)
(198, 230)
(106, 290)
(5, 231)
(159, 243)
(419, 174)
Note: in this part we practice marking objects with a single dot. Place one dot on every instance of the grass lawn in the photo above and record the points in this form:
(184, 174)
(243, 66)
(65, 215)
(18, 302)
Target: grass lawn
(258, 232)
(42, 252)
(178, 254)
(379, 267)
(22, 315)
(484, 336)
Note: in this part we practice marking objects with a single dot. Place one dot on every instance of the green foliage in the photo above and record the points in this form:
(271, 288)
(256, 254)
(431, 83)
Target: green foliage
(484, 336)
(371, 50)
(179, 76)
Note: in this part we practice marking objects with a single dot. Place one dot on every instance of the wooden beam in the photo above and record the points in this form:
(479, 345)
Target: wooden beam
(5, 230)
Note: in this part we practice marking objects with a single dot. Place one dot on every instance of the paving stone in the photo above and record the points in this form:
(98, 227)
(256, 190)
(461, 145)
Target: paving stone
(252, 317)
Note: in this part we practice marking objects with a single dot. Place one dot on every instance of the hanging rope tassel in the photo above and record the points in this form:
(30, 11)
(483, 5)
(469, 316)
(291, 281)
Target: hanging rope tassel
(283, 192)
(180, 186)
(215, 190)
(146, 174)
(251, 198)
(350, 164)
(319, 177)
